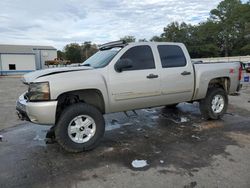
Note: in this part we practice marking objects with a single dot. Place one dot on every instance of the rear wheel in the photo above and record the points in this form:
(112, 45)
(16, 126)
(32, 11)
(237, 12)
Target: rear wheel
(79, 128)
(215, 104)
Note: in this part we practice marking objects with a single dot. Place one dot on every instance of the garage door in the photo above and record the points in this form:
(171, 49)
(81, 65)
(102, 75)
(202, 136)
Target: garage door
(18, 63)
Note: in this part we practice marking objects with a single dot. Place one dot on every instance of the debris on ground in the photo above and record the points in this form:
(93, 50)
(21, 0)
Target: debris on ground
(37, 138)
(110, 127)
(196, 137)
(191, 185)
(139, 163)
(149, 110)
(184, 119)
(114, 121)
(146, 136)
(110, 149)
(176, 119)
(139, 129)
(155, 117)
(161, 161)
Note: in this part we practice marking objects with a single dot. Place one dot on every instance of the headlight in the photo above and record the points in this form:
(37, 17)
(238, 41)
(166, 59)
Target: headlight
(39, 91)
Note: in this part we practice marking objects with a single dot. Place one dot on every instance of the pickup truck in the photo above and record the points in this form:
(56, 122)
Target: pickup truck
(121, 77)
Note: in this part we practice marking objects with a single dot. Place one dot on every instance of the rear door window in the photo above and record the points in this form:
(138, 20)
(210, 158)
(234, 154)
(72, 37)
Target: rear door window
(171, 56)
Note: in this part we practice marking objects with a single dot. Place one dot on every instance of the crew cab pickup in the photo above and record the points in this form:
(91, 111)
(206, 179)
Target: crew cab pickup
(121, 77)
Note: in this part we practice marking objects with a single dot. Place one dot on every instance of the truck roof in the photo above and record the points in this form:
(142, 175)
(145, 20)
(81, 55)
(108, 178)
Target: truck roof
(122, 43)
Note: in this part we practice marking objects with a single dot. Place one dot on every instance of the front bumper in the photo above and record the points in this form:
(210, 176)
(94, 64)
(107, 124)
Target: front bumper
(36, 112)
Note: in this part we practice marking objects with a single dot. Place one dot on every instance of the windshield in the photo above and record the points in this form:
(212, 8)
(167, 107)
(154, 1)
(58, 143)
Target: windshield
(101, 58)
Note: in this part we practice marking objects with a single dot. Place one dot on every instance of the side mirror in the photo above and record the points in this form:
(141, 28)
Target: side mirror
(123, 64)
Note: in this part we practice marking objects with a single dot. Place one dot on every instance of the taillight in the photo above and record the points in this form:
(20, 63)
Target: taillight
(240, 73)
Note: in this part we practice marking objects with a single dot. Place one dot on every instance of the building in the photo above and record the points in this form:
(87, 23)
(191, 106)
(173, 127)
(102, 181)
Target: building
(20, 59)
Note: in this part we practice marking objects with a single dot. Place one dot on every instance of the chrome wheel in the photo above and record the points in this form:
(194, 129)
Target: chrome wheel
(81, 129)
(218, 103)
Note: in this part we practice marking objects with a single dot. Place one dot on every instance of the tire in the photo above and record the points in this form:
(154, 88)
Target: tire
(88, 124)
(216, 111)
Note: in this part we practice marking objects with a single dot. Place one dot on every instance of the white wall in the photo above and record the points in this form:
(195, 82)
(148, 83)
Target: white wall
(22, 61)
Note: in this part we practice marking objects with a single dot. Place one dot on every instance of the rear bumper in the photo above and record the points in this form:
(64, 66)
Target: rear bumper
(36, 112)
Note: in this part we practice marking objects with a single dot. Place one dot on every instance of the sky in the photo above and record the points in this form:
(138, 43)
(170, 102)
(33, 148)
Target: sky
(60, 22)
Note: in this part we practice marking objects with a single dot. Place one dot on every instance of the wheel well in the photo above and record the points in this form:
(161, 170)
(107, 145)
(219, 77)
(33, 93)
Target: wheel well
(223, 83)
(90, 96)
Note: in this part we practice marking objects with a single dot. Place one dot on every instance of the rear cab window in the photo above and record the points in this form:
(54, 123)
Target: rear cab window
(171, 56)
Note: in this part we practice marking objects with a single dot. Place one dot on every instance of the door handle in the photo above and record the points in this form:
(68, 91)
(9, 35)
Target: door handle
(151, 76)
(185, 73)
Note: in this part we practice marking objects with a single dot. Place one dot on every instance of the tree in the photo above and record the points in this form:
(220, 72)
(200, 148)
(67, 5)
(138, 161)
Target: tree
(128, 38)
(78, 53)
(142, 40)
(156, 39)
(88, 50)
(226, 32)
(203, 42)
(60, 54)
(73, 53)
(226, 15)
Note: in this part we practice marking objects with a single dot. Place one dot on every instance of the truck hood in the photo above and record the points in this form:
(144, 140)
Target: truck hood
(30, 77)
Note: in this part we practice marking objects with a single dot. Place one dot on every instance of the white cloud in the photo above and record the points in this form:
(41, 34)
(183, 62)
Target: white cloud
(59, 22)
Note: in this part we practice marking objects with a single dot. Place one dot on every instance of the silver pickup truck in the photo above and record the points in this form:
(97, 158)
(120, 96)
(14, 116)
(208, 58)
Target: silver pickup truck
(121, 77)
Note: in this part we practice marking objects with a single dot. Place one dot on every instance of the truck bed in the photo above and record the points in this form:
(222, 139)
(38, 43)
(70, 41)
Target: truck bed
(205, 72)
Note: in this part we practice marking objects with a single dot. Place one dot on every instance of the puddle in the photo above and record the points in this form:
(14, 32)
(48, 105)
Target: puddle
(175, 119)
(115, 125)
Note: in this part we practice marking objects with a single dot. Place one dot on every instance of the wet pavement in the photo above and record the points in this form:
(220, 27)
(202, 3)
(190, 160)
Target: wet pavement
(178, 147)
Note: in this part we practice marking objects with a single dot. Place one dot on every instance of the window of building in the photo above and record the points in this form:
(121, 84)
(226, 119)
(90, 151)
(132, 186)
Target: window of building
(12, 66)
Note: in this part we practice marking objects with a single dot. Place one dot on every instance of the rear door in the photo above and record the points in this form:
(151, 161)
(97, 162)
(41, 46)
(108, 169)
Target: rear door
(135, 87)
(177, 76)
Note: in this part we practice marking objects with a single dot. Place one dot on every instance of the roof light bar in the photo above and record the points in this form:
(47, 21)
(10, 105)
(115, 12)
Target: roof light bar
(119, 43)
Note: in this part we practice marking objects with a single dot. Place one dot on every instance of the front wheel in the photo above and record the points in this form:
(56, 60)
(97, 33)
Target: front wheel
(215, 104)
(80, 128)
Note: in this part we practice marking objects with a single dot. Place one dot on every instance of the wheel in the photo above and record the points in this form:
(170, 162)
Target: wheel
(215, 104)
(80, 128)
(172, 105)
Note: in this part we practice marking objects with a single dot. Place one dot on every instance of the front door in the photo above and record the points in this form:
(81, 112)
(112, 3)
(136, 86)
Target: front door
(137, 86)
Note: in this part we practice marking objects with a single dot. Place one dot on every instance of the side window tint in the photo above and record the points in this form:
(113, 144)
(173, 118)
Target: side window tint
(141, 57)
(171, 56)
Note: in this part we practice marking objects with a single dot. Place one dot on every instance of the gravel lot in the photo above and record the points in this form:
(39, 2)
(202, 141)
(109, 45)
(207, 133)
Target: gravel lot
(180, 149)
